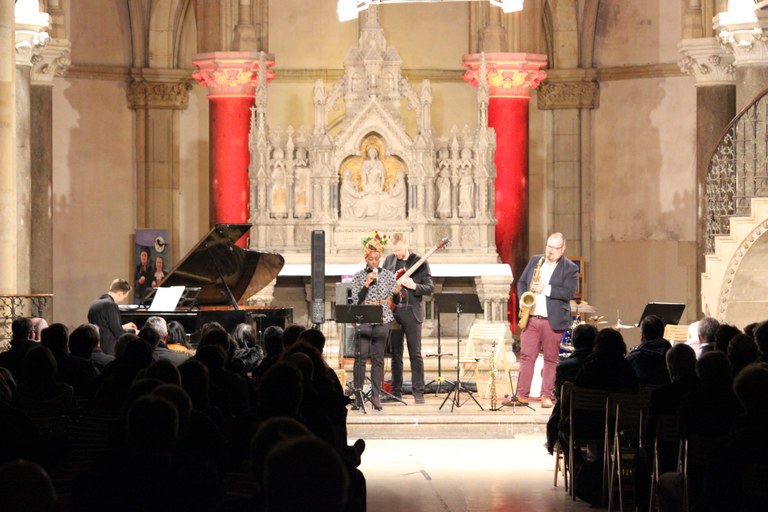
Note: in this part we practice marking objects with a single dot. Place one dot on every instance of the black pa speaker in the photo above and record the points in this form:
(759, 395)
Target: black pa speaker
(318, 277)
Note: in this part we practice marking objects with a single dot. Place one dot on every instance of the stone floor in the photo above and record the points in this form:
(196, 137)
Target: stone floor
(421, 458)
(452, 475)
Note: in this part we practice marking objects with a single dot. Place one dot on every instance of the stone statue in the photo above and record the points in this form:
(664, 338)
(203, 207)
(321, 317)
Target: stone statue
(394, 206)
(466, 196)
(303, 185)
(372, 172)
(443, 194)
(278, 191)
(352, 204)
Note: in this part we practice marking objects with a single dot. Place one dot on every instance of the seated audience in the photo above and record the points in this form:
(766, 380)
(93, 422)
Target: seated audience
(177, 339)
(742, 351)
(647, 359)
(39, 393)
(21, 341)
(707, 329)
(80, 373)
(248, 351)
(723, 335)
(155, 332)
(26, 487)
(84, 343)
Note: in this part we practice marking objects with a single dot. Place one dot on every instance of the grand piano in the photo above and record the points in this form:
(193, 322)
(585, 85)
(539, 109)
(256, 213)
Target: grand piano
(217, 275)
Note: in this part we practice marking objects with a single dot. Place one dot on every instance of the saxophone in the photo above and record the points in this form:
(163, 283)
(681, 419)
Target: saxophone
(528, 299)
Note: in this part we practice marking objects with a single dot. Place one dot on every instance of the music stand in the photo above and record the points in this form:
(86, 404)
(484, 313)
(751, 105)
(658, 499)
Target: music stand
(460, 303)
(359, 314)
(439, 379)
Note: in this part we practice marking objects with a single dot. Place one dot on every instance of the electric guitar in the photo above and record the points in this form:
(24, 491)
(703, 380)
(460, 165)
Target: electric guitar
(404, 274)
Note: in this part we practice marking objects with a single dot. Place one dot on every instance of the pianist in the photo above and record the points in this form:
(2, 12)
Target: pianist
(105, 313)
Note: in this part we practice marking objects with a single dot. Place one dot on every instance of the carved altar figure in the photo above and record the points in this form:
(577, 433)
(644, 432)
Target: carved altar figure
(352, 203)
(466, 196)
(373, 173)
(394, 207)
(302, 186)
(444, 193)
(279, 191)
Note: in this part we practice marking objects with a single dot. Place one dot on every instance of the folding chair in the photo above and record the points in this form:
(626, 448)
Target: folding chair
(626, 439)
(586, 407)
(562, 403)
(482, 336)
(667, 434)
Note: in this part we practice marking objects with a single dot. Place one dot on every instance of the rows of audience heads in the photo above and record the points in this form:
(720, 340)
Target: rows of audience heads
(176, 421)
(715, 384)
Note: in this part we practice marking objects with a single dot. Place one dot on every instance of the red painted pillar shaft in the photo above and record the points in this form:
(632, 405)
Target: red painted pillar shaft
(510, 77)
(231, 79)
(230, 190)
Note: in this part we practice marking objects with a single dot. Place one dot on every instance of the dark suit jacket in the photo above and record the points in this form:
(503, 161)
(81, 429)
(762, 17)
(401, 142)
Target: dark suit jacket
(105, 313)
(564, 282)
(423, 279)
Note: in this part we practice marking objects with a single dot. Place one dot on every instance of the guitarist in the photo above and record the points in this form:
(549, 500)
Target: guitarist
(409, 314)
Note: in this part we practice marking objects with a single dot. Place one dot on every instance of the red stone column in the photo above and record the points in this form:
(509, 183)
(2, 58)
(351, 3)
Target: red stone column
(231, 79)
(510, 77)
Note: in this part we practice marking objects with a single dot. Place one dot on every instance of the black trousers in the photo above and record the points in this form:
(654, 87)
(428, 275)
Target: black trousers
(410, 329)
(373, 338)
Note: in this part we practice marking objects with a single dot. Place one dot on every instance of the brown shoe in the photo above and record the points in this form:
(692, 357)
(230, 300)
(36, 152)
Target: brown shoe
(546, 402)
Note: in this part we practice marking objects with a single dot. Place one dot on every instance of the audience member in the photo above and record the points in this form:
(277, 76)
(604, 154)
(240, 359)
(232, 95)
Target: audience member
(707, 329)
(39, 393)
(177, 338)
(164, 371)
(248, 351)
(583, 340)
(21, 342)
(158, 326)
(84, 342)
(26, 487)
(78, 372)
(742, 351)
(105, 313)
(761, 339)
(647, 359)
(291, 334)
(304, 474)
(38, 324)
(273, 349)
(723, 335)
(606, 368)
(737, 476)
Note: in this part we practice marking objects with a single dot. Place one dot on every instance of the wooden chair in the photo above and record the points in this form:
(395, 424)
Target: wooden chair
(667, 433)
(626, 439)
(698, 453)
(482, 336)
(585, 403)
(560, 463)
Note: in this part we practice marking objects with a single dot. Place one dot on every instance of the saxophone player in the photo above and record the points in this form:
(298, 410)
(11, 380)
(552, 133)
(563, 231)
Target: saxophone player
(550, 315)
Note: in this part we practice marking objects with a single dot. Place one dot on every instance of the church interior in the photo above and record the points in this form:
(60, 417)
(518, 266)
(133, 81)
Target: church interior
(635, 129)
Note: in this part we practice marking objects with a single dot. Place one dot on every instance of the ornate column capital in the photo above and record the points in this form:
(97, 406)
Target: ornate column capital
(52, 60)
(509, 75)
(158, 89)
(554, 95)
(708, 61)
(31, 25)
(743, 33)
(230, 73)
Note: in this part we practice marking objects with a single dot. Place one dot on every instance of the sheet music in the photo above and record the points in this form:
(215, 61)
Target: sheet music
(166, 298)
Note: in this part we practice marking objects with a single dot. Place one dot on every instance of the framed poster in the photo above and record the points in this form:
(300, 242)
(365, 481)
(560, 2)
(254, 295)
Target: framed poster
(150, 257)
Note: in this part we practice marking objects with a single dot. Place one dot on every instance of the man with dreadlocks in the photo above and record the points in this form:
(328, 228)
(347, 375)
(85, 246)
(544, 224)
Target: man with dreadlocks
(373, 285)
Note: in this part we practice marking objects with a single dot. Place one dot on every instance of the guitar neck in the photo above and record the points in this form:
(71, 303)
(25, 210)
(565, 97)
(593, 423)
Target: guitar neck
(416, 265)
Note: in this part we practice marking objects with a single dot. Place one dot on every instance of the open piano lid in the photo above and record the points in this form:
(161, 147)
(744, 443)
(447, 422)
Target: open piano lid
(244, 271)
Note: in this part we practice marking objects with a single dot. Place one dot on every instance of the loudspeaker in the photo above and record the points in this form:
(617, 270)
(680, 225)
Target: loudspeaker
(318, 277)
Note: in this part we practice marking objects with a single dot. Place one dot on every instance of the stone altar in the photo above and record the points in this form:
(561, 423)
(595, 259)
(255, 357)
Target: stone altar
(369, 172)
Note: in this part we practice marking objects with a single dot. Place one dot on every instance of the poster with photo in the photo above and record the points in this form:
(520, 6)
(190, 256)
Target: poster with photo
(150, 261)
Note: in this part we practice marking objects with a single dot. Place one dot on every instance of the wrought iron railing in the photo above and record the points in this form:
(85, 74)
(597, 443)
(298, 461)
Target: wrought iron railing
(738, 169)
(13, 306)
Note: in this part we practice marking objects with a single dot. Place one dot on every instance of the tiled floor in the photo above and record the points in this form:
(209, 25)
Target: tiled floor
(454, 475)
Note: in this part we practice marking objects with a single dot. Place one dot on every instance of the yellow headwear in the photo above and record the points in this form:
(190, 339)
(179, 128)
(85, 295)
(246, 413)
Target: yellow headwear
(374, 242)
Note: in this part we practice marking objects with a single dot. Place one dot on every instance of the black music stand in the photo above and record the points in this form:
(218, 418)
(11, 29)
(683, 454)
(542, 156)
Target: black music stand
(459, 303)
(439, 379)
(359, 314)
